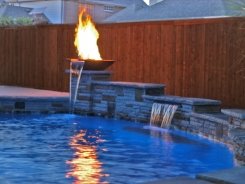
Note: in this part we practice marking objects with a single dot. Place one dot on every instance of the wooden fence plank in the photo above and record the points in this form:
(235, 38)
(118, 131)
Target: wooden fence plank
(198, 58)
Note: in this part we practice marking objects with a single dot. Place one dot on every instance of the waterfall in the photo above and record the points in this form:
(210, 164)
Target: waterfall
(162, 114)
(76, 68)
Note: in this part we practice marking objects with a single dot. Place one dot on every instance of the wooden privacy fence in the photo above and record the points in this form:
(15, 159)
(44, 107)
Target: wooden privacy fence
(198, 58)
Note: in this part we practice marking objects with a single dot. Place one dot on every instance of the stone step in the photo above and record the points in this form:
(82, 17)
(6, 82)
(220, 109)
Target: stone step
(130, 84)
(187, 104)
(186, 100)
(228, 176)
(138, 88)
(237, 113)
(215, 117)
(179, 180)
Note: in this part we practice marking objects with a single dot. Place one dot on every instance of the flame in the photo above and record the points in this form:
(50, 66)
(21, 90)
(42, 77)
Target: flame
(86, 37)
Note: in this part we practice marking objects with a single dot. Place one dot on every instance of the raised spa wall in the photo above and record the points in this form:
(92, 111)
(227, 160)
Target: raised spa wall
(98, 95)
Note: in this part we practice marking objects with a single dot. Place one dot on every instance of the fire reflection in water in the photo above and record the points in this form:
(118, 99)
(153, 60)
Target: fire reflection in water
(85, 166)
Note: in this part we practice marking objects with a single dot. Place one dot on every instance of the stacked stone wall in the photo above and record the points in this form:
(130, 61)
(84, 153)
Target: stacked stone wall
(99, 96)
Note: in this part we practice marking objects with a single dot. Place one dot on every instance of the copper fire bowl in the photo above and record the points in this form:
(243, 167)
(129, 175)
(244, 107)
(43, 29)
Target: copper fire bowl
(93, 64)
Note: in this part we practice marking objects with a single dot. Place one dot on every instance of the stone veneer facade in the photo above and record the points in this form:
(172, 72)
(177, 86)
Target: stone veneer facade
(34, 105)
(237, 132)
(97, 95)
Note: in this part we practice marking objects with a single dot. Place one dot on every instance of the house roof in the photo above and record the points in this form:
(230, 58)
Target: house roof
(17, 11)
(172, 9)
(37, 11)
(17, 1)
(122, 3)
(14, 11)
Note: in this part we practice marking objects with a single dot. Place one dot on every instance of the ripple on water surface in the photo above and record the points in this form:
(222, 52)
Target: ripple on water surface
(74, 149)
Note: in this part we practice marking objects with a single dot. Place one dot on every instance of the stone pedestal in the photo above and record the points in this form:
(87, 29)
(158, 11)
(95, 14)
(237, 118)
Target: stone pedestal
(124, 100)
(236, 117)
(84, 101)
(237, 132)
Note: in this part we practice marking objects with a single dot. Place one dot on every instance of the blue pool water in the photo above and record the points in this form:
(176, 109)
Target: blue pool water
(87, 150)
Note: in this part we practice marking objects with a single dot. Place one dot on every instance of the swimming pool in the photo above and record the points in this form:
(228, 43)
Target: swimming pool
(66, 148)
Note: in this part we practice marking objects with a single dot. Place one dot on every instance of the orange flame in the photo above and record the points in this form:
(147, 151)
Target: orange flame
(86, 37)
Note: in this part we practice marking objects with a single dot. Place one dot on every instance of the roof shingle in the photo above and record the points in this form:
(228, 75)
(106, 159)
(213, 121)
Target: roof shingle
(172, 9)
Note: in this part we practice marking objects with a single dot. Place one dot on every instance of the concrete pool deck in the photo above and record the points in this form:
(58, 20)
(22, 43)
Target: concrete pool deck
(23, 92)
(22, 99)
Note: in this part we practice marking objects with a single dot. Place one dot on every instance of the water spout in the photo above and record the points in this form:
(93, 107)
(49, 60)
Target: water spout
(162, 114)
(76, 68)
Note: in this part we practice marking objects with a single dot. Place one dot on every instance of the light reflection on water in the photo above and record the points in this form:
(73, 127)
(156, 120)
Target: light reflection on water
(64, 149)
(85, 166)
